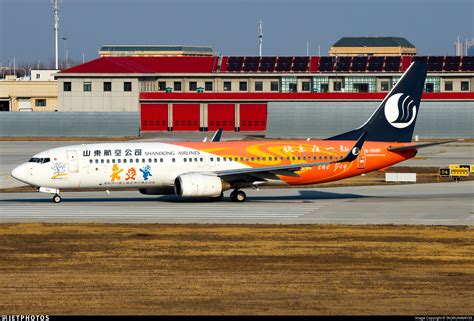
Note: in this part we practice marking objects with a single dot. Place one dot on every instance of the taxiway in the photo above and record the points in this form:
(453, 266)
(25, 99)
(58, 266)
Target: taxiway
(430, 204)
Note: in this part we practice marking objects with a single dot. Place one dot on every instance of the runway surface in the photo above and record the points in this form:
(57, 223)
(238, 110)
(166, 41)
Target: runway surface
(431, 204)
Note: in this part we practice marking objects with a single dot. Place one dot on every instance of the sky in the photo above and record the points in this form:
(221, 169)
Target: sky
(229, 26)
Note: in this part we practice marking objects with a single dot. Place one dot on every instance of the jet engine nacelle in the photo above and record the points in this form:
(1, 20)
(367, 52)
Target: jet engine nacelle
(199, 185)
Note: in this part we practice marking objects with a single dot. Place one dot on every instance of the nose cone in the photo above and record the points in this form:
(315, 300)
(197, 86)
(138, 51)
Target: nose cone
(22, 173)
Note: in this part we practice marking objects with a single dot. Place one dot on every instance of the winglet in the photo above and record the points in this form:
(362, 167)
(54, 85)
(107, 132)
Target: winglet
(217, 136)
(354, 152)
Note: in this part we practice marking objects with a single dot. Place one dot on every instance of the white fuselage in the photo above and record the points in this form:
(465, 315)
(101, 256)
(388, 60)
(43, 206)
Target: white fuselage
(117, 165)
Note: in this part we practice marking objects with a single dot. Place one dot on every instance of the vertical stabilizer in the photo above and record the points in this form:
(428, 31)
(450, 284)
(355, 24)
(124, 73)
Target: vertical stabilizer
(394, 120)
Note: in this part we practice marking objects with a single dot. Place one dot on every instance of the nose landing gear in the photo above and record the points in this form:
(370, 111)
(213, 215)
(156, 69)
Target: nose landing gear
(55, 191)
(238, 196)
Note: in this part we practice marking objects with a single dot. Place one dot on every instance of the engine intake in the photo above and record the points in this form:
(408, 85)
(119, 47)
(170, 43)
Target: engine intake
(199, 185)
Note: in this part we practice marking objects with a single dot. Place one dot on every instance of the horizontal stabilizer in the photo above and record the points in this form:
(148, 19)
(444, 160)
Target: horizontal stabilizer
(418, 146)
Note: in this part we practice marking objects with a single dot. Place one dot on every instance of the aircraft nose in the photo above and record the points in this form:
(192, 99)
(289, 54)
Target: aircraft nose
(21, 173)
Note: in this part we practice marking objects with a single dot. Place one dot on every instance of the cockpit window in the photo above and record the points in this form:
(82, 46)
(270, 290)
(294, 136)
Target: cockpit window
(39, 160)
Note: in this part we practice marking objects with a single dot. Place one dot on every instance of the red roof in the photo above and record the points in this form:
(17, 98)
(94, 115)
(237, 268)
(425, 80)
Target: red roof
(146, 65)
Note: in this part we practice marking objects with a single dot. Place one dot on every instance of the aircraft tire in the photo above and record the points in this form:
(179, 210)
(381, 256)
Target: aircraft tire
(57, 199)
(238, 196)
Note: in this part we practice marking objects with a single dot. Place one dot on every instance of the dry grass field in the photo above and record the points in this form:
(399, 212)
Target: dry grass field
(236, 269)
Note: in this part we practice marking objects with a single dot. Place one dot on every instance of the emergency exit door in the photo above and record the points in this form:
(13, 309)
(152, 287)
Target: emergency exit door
(361, 160)
(72, 160)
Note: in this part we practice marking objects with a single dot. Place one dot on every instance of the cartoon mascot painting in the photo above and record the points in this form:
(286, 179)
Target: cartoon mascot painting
(146, 172)
(116, 173)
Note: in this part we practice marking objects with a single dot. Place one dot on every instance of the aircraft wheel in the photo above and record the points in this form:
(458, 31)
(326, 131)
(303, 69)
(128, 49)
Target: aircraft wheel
(57, 198)
(217, 198)
(238, 196)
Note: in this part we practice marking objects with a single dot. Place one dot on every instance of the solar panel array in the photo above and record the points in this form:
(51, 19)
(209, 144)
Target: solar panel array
(345, 64)
(268, 64)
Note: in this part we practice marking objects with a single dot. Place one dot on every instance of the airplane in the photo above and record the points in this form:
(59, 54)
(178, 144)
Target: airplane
(207, 169)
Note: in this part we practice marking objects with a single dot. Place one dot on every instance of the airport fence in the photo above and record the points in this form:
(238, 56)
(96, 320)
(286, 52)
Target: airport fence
(320, 119)
(82, 124)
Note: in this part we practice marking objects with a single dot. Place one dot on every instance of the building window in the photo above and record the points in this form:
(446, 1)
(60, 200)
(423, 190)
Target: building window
(192, 86)
(320, 84)
(448, 86)
(87, 86)
(429, 87)
(258, 86)
(356, 84)
(274, 86)
(161, 86)
(208, 86)
(227, 86)
(289, 84)
(384, 86)
(177, 86)
(292, 87)
(361, 88)
(305, 86)
(107, 86)
(127, 86)
(464, 85)
(67, 86)
(435, 84)
(38, 76)
(243, 86)
(337, 85)
(40, 102)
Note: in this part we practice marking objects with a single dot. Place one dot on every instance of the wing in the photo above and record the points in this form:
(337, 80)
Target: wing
(249, 175)
(418, 146)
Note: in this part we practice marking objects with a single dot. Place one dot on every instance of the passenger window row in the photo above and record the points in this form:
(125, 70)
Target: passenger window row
(125, 160)
(200, 159)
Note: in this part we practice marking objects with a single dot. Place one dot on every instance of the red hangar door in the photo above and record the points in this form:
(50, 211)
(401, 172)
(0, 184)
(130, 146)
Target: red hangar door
(186, 116)
(253, 117)
(154, 116)
(221, 116)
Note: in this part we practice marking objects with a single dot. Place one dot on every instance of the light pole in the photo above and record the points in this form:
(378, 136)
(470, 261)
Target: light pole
(56, 31)
(66, 52)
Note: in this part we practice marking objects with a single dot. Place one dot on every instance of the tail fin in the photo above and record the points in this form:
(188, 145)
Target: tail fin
(394, 120)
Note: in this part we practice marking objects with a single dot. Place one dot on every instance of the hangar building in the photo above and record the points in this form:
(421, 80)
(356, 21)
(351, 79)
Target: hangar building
(206, 92)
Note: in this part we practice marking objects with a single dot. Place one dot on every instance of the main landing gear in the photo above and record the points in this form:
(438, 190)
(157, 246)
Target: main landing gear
(238, 196)
(57, 198)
